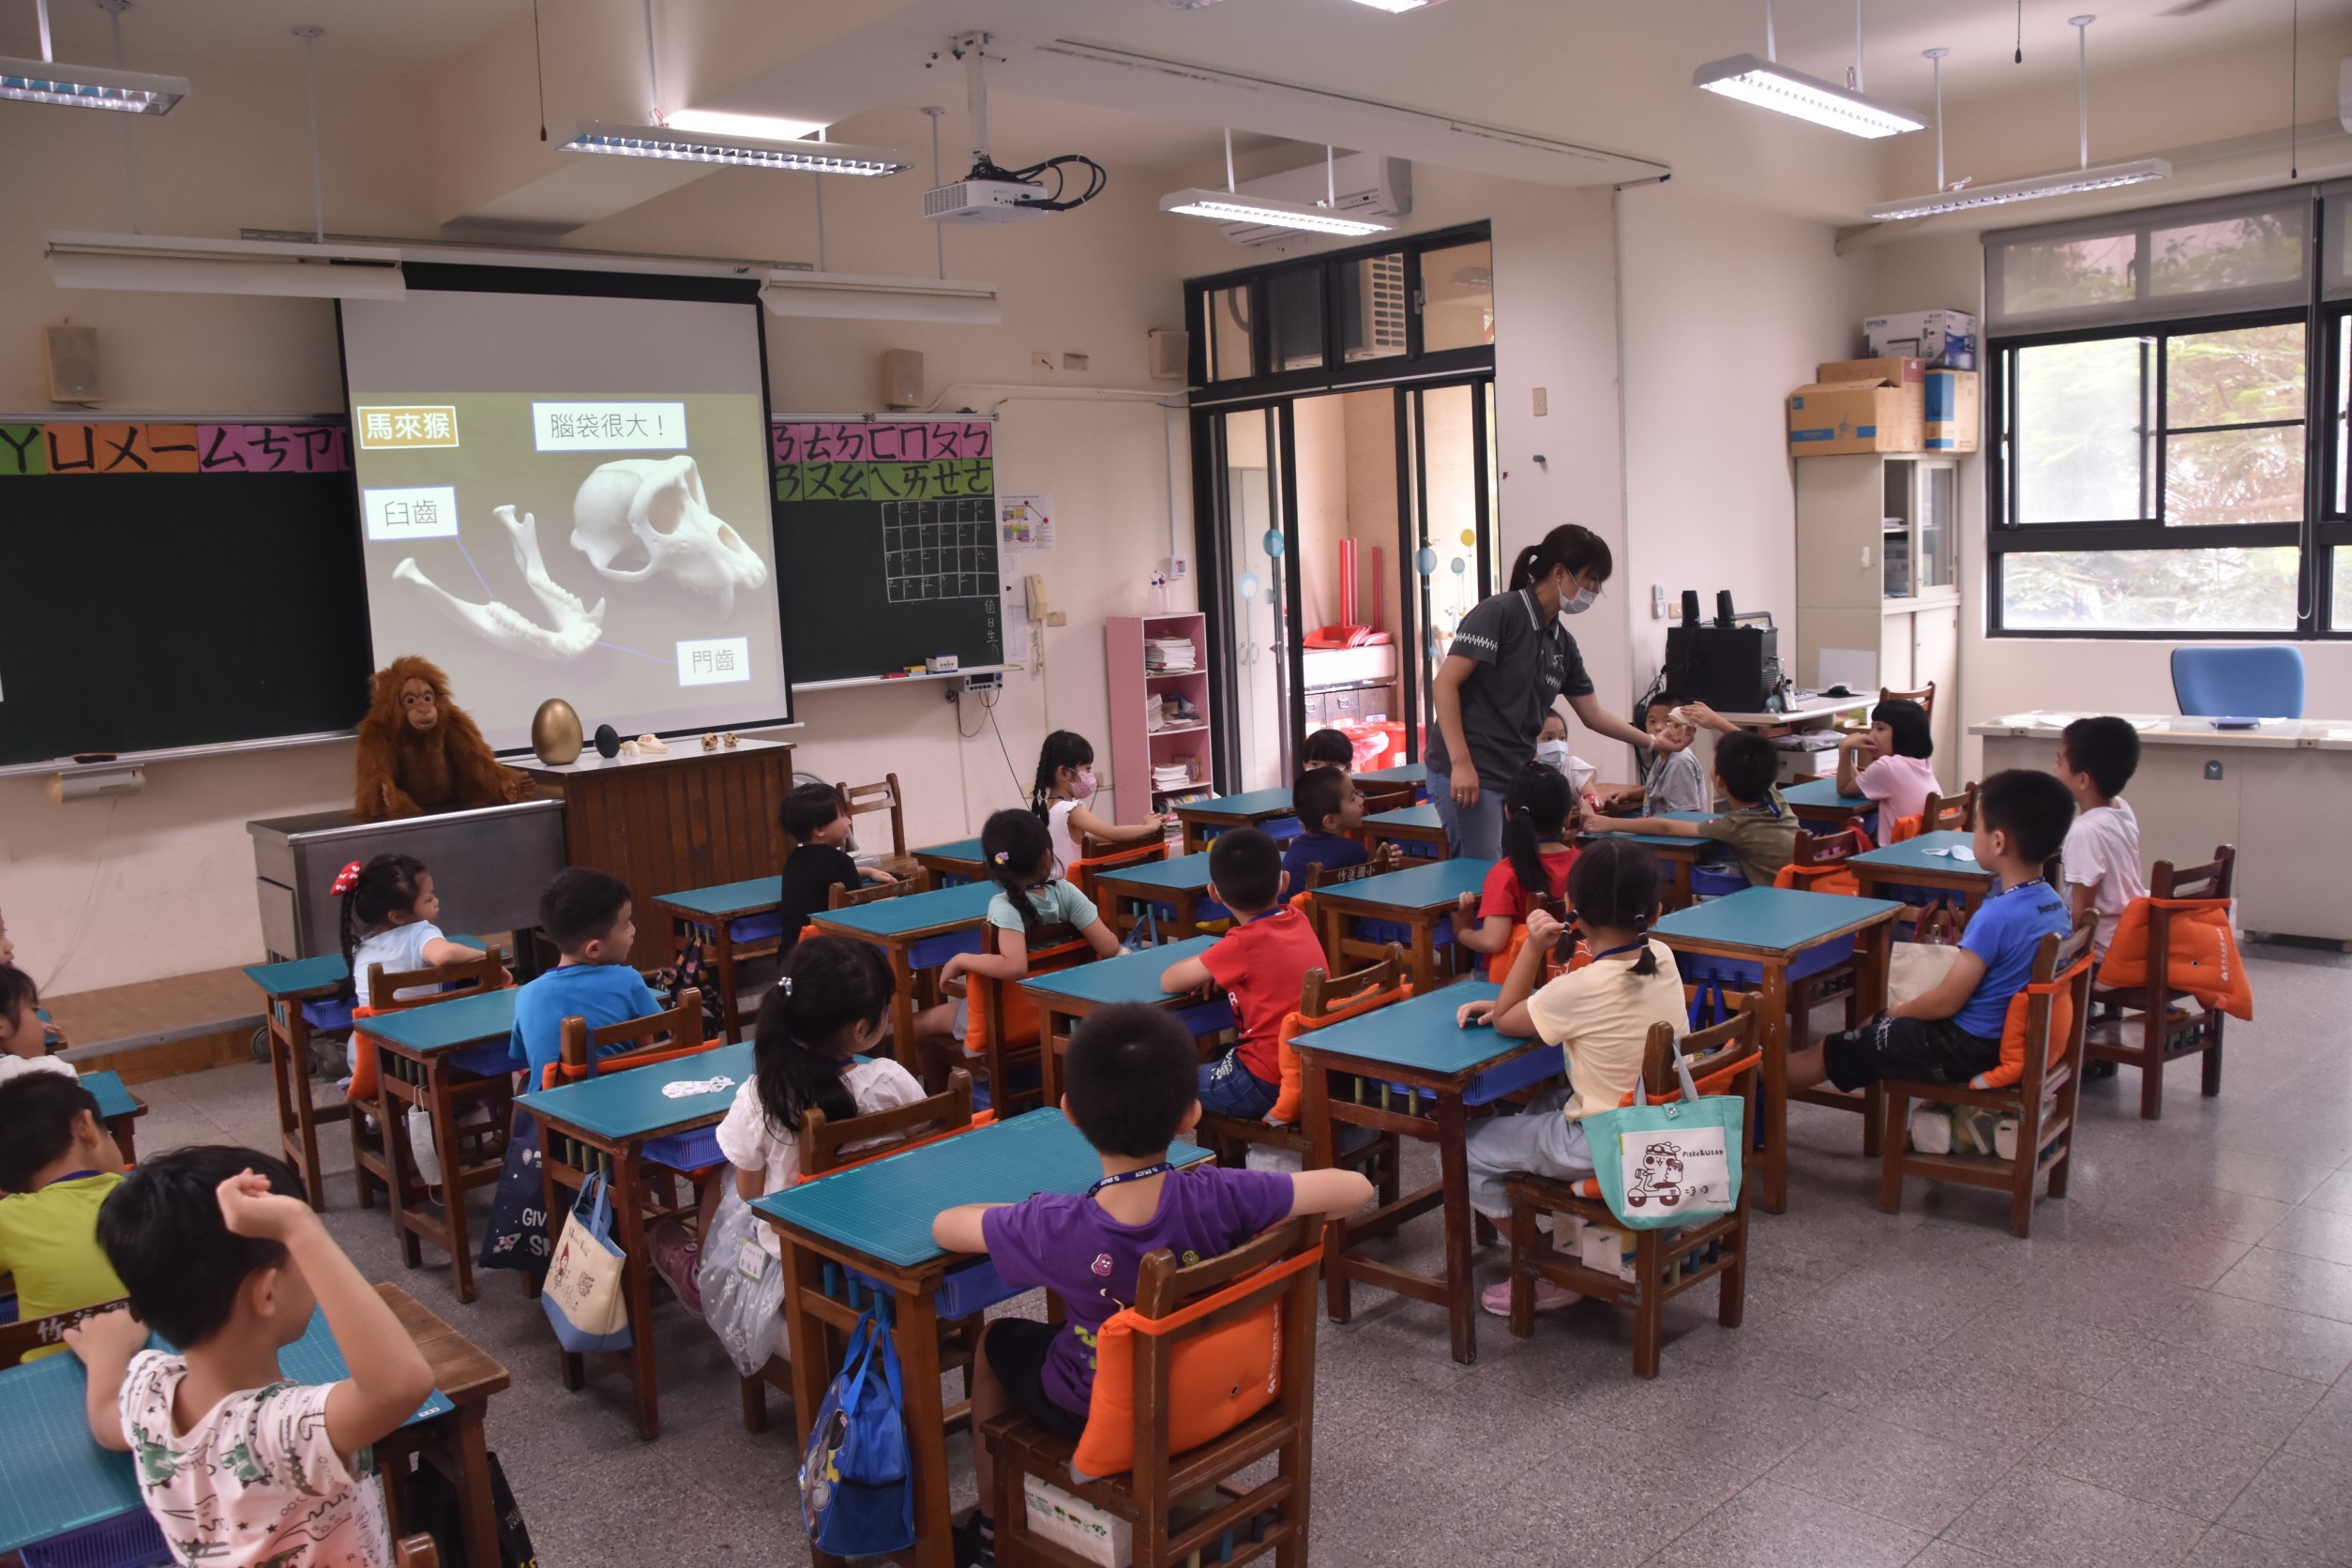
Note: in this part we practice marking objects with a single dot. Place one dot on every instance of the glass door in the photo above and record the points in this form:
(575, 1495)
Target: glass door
(1451, 533)
(1257, 553)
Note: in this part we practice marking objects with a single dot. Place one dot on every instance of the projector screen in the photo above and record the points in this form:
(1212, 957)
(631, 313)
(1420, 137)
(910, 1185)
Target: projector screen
(566, 495)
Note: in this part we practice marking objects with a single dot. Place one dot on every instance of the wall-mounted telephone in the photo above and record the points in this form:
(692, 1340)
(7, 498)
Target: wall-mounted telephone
(1033, 587)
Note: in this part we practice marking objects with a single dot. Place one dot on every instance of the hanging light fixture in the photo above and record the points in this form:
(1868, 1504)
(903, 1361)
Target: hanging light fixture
(44, 81)
(1231, 205)
(1769, 84)
(2105, 176)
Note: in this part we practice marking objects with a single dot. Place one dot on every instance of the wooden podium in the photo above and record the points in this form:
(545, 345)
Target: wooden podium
(665, 823)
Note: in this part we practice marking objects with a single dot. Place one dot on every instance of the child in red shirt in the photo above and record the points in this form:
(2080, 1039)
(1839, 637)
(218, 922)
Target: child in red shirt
(1539, 845)
(1261, 963)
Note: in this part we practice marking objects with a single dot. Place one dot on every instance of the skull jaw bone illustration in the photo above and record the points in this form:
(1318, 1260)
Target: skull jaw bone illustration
(576, 629)
(658, 505)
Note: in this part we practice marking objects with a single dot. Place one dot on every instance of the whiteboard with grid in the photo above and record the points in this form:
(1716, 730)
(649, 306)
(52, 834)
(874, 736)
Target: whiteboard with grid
(940, 549)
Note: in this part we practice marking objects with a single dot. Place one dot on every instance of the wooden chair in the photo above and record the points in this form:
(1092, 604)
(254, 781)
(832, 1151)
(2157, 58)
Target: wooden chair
(2042, 1100)
(1950, 813)
(1380, 1157)
(1275, 1271)
(1924, 697)
(1725, 1059)
(859, 800)
(26, 1335)
(371, 1162)
(416, 1552)
(1001, 1023)
(827, 1146)
(841, 895)
(1098, 856)
(2148, 1029)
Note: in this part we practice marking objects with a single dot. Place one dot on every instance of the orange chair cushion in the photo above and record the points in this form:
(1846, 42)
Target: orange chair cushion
(2012, 1062)
(1020, 1014)
(1216, 1380)
(366, 1077)
(1288, 1104)
(2203, 959)
(1901, 828)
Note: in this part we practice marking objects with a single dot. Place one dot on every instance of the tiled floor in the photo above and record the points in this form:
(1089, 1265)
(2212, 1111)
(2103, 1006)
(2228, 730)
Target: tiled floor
(2157, 1377)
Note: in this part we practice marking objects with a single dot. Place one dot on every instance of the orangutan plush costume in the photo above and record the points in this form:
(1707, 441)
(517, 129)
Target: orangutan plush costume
(418, 752)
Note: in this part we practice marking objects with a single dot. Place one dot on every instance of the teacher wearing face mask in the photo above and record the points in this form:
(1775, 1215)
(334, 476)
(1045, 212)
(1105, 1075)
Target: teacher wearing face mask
(1511, 656)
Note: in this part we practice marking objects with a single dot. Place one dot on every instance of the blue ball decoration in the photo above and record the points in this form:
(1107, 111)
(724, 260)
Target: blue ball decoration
(1426, 561)
(1276, 544)
(1249, 586)
(1460, 565)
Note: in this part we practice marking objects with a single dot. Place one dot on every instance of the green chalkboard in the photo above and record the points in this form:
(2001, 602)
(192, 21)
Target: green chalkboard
(886, 543)
(176, 585)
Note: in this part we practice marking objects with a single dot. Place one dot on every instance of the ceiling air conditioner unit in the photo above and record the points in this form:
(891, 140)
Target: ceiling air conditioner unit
(1366, 183)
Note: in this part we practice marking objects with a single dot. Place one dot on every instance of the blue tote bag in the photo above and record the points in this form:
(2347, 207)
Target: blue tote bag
(857, 1482)
(583, 1294)
(1668, 1164)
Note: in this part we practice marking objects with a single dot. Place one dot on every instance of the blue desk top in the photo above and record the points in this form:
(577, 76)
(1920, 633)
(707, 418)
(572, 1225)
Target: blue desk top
(1420, 1034)
(727, 899)
(1187, 873)
(1251, 805)
(444, 1026)
(326, 972)
(1771, 920)
(113, 1098)
(1918, 854)
(1661, 840)
(966, 851)
(632, 1104)
(1823, 792)
(1406, 815)
(940, 909)
(1438, 884)
(1409, 773)
(60, 1480)
(885, 1208)
(1127, 977)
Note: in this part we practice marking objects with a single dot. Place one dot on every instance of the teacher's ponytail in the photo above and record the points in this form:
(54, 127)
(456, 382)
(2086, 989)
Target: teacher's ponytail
(1570, 545)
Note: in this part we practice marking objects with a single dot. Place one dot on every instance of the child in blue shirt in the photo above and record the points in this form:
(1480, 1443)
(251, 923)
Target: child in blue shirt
(1329, 808)
(587, 916)
(1952, 1033)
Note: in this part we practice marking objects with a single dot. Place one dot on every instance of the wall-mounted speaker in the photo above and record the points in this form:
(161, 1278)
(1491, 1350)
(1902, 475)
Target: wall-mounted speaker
(901, 378)
(73, 364)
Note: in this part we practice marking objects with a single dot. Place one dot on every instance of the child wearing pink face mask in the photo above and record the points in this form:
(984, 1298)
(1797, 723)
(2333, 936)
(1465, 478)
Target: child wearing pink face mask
(1066, 781)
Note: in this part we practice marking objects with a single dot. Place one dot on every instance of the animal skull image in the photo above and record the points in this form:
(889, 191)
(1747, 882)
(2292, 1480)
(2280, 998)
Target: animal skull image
(655, 506)
(577, 627)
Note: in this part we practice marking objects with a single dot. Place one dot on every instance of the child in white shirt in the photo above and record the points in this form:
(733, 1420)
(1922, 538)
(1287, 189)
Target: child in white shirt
(1898, 774)
(2096, 759)
(389, 906)
(830, 1006)
(24, 1040)
(241, 1467)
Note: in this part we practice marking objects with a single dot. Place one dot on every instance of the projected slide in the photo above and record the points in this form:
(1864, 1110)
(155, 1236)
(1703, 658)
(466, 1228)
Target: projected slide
(566, 496)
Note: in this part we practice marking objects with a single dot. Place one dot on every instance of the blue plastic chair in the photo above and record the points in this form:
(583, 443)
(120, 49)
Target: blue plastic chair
(2264, 682)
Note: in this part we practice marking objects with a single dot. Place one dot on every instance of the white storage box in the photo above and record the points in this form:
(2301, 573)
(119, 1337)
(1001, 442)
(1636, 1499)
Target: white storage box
(1078, 1528)
(1945, 338)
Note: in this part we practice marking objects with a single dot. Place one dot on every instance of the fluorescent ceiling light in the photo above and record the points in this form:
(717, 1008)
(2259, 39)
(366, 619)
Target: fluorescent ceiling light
(695, 146)
(1777, 87)
(158, 263)
(1395, 6)
(2104, 177)
(1233, 207)
(763, 127)
(127, 92)
(863, 296)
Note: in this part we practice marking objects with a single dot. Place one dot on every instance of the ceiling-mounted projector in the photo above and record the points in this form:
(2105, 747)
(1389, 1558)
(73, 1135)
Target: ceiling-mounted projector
(980, 199)
(989, 194)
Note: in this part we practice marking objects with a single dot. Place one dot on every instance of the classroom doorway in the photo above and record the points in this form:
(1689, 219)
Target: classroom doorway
(1352, 531)
(1345, 491)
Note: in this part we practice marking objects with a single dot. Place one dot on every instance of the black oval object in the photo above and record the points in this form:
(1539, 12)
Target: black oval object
(608, 741)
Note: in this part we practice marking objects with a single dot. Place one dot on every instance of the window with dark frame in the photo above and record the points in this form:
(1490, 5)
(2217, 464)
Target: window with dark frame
(2166, 393)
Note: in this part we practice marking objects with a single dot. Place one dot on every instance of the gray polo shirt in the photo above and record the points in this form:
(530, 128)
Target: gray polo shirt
(1526, 662)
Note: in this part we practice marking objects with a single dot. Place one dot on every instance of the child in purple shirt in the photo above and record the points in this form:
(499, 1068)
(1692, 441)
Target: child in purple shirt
(1129, 1086)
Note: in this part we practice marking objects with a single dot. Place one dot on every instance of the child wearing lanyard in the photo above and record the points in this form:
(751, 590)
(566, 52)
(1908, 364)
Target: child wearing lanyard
(1261, 963)
(1599, 1015)
(1952, 1033)
(1129, 1088)
(57, 1165)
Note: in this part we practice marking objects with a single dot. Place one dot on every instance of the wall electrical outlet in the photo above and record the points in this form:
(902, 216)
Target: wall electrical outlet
(1040, 360)
(1056, 618)
(1075, 361)
(1543, 403)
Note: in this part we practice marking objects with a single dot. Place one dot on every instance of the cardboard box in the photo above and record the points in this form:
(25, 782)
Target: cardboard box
(1834, 419)
(1606, 1251)
(1079, 1528)
(1954, 414)
(1910, 374)
(1945, 340)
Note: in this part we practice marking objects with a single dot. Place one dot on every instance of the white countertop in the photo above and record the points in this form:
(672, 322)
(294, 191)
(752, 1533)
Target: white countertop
(2319, 735)
(682, 748)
